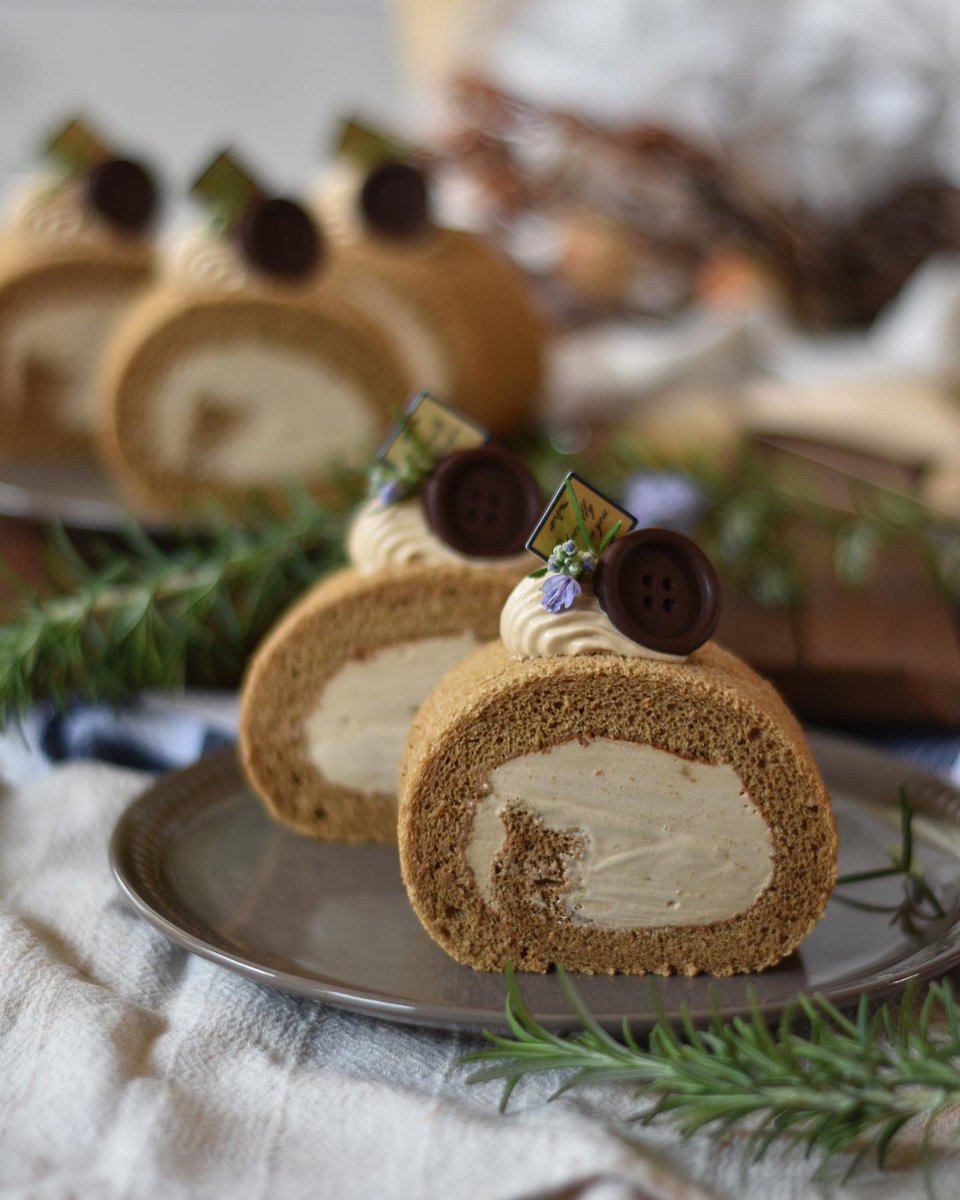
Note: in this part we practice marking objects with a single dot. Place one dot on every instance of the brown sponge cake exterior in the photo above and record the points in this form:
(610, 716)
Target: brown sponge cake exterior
(475, 306)
(711, 708)
(170, 323)
(344, 618)
(35, 277)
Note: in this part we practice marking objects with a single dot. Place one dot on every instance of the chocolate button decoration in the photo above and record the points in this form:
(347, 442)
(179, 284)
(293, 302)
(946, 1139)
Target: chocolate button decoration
(659, 589)
(482, 502)
(393, 199)
(279, 237)
(122, 192)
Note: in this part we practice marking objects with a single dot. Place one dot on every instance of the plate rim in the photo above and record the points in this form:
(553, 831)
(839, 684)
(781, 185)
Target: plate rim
(109, 510)
(135, 829)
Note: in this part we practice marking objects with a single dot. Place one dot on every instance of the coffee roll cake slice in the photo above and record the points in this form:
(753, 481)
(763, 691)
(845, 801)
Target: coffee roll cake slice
(605, 789)
(456, 311)
(229, 393)
(329, 696)
(242, 369)
(76, 248)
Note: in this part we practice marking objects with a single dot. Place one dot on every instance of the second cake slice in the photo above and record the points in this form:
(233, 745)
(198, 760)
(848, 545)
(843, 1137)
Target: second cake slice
(331, 693)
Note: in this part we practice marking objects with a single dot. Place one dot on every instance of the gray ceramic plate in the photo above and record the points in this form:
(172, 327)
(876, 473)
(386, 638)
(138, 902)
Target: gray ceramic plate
(79, 495)
(197, 857)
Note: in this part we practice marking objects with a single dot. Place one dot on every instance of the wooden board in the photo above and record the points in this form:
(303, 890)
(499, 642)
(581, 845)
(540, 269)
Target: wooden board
(889, 654)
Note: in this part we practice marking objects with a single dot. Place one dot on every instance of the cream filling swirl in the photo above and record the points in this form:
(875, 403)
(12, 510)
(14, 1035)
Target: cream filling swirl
(356, 733)
(663, 840)
(248, 411)
(383, 536)
(529, 631)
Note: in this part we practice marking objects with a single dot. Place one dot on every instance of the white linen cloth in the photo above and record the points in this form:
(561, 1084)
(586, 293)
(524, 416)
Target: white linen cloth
(131, 1069)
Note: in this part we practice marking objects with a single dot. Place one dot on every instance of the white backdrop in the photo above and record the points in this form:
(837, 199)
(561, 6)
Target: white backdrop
(177, 79)
(827, 100)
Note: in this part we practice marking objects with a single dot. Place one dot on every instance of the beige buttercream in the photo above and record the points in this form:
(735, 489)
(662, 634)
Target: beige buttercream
(337, 199)
(48, 209)
(198, 258)
(662, 840)
(294, 415)
(397, 535)
(356, 734)
(528, 630)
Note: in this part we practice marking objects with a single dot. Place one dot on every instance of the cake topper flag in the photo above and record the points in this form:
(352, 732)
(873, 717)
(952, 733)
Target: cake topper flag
(368, 146)
(561, 522)
(228, 188)
(76, 146)
(430, 427)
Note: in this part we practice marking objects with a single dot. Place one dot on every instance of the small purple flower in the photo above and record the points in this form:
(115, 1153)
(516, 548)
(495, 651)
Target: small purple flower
(569, 547)
(589, 562)
(559, 592)
(390, 492)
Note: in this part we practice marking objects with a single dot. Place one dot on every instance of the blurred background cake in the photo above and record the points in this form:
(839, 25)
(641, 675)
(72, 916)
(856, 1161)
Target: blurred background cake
(453, 307)
(76, 246)
(330, 694)
(241, 368)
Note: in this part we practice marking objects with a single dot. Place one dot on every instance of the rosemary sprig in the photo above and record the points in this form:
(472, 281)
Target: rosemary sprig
(902, 863)
(143, 610)
(765, 525)
(148, 616)
(589, 546)
(821, 1081)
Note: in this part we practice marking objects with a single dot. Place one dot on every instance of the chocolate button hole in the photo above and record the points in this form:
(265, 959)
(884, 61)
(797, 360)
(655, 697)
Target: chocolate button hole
(668, 585)
(647, 581)
(669, 605)
(648, 602)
